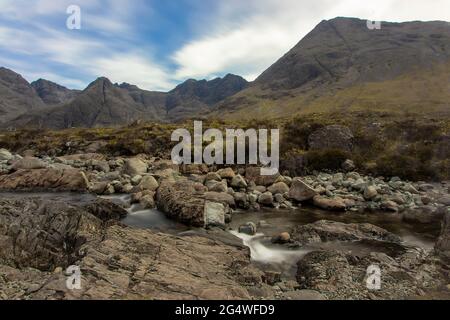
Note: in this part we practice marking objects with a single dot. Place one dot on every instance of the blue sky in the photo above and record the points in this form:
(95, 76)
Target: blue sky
(157, 44)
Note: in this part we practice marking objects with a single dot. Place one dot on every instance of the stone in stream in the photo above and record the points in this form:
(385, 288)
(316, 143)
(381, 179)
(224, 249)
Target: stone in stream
(248, 228)
(300, 191)
(266, 199)
(333, 204)
(185, 201)
(282, 238)
(325, 231)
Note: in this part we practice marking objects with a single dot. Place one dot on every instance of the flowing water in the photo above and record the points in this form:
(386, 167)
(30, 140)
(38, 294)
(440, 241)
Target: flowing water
(266, 255)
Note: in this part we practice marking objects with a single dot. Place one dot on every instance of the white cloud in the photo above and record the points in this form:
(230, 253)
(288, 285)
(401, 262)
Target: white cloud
(267, 29)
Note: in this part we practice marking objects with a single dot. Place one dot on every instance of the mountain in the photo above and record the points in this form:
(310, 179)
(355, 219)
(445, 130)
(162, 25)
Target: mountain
(52, 93)
(105, 104)
(343, 66)
(196, 97)
(16, 96)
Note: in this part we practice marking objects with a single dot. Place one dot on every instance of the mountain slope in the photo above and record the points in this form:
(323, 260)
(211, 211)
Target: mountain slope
(342, 65)
(16, 96)
(52, 93)
(105, 104)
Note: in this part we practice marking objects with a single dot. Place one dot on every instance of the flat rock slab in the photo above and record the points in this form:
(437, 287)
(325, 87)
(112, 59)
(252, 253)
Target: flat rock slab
(44, 179)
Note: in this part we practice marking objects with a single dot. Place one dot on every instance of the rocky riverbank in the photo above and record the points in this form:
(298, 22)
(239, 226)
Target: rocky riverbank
(41, 238)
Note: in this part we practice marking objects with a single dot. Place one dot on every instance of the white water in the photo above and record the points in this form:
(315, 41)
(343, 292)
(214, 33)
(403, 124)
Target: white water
(266, 254)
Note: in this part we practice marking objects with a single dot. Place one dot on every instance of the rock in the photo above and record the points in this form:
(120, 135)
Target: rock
(279, 187)
(99, 165)
(238, 182)
(425, 215)
(242, 200)
(248, 228)
(303, 295)
(45, 179)
(5, 155)
(135, 166)
(214, 213)
(266, 199)
(148, 183)
(370, 192)
(29, 163)
(282, 238)
(220, 197)
(217, 186)
(389, 206)
(253, 174)
(213, 176)
(348, 166)
(136, 180)
(183, 201)
(331, 137)
(442, 247)
(325, 231)
(279, 198)
(338, 275)
(199, 169)
(445, 200)
(226, 173)
(272, 277)
(137, 263)
(147, 201)
(300, 191)
(98, 187)
(260, 189)
(333, 204)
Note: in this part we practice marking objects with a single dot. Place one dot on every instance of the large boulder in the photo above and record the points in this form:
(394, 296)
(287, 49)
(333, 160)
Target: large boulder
(135, 166)
(300, 191)
(332, 204)
(148, 183)
(184, 201)
(331, 137)
(279, 187)
(45, 179)
(253, 174)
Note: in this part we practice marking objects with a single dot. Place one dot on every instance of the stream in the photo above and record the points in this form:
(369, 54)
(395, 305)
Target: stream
(264, 254)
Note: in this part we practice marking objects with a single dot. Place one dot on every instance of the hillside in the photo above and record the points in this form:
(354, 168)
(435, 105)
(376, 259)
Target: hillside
(342, 66)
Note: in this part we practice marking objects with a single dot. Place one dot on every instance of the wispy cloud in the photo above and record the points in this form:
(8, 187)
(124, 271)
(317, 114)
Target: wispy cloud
(147, 44)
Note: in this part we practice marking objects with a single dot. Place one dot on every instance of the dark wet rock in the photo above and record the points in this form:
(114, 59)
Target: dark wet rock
(180, 201)
(300, 191)
(324, 231)
(248, 228)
